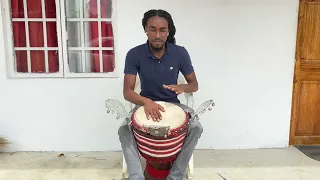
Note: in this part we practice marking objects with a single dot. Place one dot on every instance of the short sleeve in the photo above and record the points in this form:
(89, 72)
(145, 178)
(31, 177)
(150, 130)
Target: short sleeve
(186, 66)
(131, 63)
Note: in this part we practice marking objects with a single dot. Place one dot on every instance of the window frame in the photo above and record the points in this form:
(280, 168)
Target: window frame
(62, 37)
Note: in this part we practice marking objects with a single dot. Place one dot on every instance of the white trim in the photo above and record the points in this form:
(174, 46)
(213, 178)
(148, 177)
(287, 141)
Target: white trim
(114, 18)
(90, 48)
(8, 38)
(64, 37)
(82, 34)
(34, 19)
(60, 43)
(99, 19)
(45, 38)
(36, 48)
(92, 75)
(25, 10)
(15, 75)
(87, 28)
(100, 36)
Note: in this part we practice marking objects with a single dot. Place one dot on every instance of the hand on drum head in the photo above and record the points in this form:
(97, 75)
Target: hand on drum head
(152, 110)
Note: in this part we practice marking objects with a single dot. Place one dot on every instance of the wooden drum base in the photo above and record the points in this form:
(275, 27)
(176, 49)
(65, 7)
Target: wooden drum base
(156, 171)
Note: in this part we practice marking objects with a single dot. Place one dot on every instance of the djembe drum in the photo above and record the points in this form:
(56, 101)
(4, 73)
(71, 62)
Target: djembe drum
(160, 142)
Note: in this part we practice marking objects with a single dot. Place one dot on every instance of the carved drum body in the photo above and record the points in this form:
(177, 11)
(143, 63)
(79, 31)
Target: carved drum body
(160, 142)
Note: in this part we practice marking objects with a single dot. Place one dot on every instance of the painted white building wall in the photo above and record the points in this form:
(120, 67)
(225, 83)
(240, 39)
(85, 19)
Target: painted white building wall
(243, 54)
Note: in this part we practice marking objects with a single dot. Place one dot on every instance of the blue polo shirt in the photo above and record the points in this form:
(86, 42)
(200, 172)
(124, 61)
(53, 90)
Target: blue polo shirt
(154, 72)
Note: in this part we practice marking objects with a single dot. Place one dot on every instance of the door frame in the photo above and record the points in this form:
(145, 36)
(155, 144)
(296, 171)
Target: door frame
(299, 140)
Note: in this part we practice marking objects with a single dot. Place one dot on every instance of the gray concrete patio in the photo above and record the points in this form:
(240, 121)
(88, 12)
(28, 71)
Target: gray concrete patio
(259, 164)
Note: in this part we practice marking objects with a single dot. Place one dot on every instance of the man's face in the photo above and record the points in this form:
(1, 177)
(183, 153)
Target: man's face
(157, 32)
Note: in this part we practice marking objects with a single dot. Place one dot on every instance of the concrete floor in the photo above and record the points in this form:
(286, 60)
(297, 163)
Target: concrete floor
(261, 164)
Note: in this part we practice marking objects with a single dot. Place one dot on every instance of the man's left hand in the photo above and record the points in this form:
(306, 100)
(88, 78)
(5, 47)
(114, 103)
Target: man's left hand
(178, 89)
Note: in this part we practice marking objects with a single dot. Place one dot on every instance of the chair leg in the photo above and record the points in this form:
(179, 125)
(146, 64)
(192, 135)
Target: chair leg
(124, 168)
(190, 168)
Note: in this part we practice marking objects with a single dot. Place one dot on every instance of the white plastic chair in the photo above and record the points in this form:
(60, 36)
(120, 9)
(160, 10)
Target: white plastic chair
(189, 102)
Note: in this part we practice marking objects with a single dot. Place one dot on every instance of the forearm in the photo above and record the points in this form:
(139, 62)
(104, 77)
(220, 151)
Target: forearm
(191, 87)
(135, 98)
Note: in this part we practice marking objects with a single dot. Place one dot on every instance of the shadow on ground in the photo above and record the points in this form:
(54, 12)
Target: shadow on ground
(310, 151)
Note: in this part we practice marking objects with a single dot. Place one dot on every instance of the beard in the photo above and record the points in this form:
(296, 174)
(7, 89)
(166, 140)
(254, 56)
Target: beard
(156, 48)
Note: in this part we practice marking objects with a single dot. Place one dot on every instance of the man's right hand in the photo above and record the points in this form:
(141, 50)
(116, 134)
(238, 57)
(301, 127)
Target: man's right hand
(152, 110)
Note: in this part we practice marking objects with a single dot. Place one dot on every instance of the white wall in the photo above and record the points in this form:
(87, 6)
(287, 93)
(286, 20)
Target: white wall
(243, 53)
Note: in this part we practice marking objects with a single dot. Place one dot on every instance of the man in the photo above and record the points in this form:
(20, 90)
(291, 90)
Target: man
(158, 63)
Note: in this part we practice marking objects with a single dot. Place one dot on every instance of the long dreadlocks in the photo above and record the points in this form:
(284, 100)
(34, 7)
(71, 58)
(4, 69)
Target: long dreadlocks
(167, 16)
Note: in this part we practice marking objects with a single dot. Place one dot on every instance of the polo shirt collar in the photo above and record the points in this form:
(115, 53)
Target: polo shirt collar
(149, 52)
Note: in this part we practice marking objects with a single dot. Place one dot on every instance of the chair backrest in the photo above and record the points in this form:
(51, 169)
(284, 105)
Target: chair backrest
(137, 86)
(181, 79)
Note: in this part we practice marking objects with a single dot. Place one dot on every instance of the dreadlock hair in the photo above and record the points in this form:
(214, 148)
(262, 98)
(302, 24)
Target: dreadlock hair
(167, 16)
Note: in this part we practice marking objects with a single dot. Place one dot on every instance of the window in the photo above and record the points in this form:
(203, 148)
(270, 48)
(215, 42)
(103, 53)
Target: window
(59, 38)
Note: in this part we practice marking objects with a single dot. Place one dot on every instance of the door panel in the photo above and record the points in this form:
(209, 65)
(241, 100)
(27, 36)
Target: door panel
(309, 114)
(311, 28)
(305, 118)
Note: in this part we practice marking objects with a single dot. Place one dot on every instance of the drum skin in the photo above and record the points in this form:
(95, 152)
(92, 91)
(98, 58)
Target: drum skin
(160, 152)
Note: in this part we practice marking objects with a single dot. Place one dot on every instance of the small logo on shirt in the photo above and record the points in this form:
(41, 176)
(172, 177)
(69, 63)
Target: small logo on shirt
(171, 68)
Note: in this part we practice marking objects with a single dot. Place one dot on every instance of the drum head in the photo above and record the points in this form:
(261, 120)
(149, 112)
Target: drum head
(174, 116)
